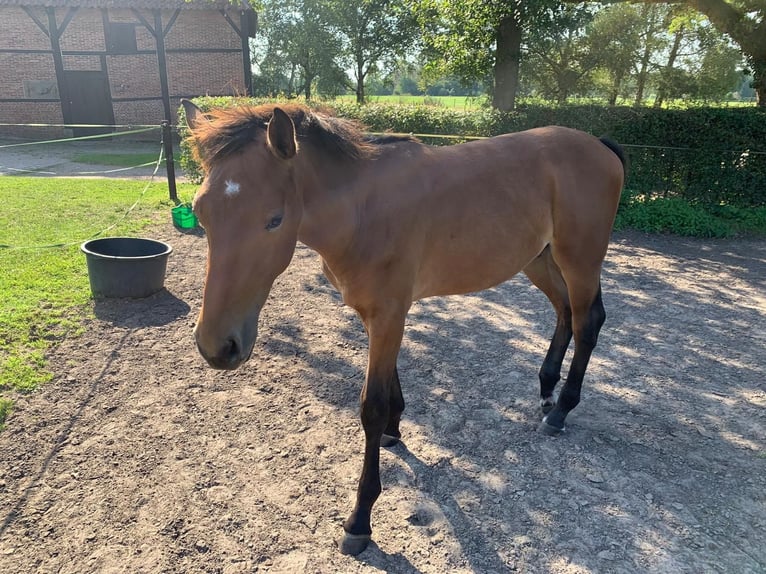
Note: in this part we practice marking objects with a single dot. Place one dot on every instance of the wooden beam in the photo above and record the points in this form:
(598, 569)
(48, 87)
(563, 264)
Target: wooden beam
(58, 64)
(231, 22)
(244, 25)
(144, 21)
(163, 64)
(36, 20)
(67, 19)
(172, 21)
(243, 31)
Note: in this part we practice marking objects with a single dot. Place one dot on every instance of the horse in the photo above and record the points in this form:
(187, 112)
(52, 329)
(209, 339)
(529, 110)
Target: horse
(395, 221)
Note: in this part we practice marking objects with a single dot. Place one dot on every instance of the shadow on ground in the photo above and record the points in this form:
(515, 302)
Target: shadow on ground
(663, 457)
(662, 468)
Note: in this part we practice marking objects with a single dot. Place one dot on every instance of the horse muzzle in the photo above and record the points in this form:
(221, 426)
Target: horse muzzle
(226, 355)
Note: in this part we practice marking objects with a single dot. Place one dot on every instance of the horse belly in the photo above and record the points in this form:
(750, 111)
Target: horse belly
(463, 265)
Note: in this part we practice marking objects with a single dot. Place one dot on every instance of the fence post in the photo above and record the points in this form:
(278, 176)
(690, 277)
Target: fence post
(167, 142)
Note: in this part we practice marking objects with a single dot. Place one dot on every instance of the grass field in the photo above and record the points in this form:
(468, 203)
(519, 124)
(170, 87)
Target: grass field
(472, 103)
(44, 290)
(454, 102)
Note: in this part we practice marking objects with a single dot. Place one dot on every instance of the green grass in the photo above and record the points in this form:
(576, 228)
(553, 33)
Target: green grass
(476, 102)
(454, 102)
(6, 406)
(115, 159)
(44, 292)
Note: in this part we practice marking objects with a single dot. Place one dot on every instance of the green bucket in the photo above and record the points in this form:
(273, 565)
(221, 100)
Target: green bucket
(183, 217)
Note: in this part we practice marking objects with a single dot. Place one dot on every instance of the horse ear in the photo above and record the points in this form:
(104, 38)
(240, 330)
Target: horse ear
(280, 135)
(195, 117)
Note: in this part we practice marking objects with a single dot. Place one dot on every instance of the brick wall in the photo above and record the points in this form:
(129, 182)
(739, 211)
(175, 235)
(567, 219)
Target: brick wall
(134, 76)
(202, 29)
(32, 76)
(195, 74)
(22, 72)
(82, 63)
(143, 112)
(18, 31)
(16, 68)
(32, 113)
(85, 32)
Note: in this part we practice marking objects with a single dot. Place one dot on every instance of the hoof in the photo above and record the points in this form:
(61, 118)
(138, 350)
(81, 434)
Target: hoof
(387, 441)
(548, 429)
(353, 544)
(547, 405)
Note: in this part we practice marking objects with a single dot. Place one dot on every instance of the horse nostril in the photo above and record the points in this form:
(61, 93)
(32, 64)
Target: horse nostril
(230, 351)
(228, 356)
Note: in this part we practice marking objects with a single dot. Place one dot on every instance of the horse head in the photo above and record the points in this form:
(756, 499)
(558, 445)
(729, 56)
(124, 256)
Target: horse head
(250, 208)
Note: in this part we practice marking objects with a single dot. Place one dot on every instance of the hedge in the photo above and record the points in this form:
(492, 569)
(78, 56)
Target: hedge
(705, 156)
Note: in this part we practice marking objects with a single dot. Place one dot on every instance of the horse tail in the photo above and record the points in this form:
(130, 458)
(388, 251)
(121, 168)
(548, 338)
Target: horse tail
(616, 149)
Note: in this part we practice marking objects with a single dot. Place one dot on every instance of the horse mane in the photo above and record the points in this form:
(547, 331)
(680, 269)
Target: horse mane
(230, 130)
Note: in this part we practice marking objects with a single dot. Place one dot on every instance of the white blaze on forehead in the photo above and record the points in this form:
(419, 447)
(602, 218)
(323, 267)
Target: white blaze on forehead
(232, 188)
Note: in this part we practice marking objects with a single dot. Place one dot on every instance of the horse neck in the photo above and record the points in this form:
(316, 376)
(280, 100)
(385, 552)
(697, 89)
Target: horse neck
(332, 200)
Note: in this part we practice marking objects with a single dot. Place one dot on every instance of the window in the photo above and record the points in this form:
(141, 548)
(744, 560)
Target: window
(121, 38)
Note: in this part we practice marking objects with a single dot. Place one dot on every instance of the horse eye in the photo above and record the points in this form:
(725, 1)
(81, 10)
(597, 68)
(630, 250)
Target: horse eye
(275, 222)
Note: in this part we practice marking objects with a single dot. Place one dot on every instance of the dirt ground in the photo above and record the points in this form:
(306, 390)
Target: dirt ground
(139, 458)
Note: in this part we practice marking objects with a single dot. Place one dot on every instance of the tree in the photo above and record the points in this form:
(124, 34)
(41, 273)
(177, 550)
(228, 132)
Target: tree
(374, 33)
(558, 58)
(301, 49)
(654, 22)
(719, 71)
(744, 21)
(478, 40)
(682, 25)
(615, 40)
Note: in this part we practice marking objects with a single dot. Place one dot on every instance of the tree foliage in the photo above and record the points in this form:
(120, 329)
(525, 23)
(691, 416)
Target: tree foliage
(744, 21)
(617, 30)
(373, 32)
(481, 39)
(299, 51)
(623, 49)
(558, 55)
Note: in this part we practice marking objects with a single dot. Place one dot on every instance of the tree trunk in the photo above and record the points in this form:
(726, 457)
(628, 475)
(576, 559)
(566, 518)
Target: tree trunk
(665, 74)
(507, 58)
(563, 81)
(759, 80)
(291, 81)
(616, 84)
(642, 73)
(360, 83)
(360, 91)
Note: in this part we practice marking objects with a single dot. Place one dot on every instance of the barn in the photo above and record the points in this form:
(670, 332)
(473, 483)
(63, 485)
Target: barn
(117, 62)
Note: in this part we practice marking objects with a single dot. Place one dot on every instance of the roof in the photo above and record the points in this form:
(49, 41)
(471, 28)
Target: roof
(161, 4)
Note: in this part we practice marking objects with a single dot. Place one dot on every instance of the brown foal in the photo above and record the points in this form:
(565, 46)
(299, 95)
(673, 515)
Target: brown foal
(396, 221)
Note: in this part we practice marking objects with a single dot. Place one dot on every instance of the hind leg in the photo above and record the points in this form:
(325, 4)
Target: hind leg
(588, 316)
(546, 276)
(583, 216)
(550, 372)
